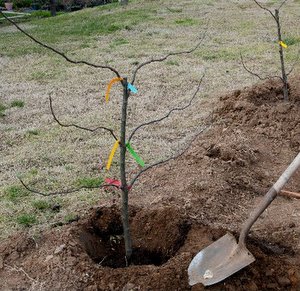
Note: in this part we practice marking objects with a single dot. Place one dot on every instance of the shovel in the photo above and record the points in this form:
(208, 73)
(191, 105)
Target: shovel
(225, 256)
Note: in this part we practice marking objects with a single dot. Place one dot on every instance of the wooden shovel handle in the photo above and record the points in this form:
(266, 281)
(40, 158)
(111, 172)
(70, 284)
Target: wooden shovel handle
(268, 198)
(290, 194)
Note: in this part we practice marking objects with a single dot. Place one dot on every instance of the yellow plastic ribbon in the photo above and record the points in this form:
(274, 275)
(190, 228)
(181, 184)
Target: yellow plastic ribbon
(111, 155)
(111, 82)
(284, 45)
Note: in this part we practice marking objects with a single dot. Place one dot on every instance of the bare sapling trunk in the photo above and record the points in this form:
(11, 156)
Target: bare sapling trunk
(284, 75)
(124, 188)
(281, 44)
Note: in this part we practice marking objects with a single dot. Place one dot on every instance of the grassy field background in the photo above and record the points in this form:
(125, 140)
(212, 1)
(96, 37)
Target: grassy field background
(50, 158)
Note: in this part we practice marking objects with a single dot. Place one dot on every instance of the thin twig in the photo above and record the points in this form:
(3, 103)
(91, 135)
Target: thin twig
(282, 4)
(168, 159)
(255, 74)
(264, 8)
(167, 56)
(57, 51)
(78, 126)
(64, 191)
(169, 113)
(294, 64)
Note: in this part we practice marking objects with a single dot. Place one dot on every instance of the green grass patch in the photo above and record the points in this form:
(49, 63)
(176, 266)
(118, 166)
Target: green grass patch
(41, 205)
(85, 25)
(118, 42)
(33, 172)
(32, 132)
(89, 182)
(41, 14)
(186, 21)
(2, 110)
(175, 10)
(69, 167)
(17, 103)
(219, 55)
(45, 75)
(26, 219)
(70, 217)
(229, 53)
(291, 40)
(15, 193)
(172, 63)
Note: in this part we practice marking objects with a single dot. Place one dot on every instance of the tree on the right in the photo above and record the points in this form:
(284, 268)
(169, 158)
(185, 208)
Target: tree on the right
(281, 45)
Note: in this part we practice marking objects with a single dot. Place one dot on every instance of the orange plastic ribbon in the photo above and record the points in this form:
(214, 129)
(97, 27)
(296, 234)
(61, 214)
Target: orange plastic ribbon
(111, 82)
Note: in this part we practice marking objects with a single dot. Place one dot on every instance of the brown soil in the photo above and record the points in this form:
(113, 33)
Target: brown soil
(185, 206)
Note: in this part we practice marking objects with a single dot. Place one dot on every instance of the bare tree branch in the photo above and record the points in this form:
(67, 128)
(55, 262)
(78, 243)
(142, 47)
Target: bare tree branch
(264, 8)
(167, 56)
(168, 159)
(64, 191)
(168, 114)
(78, 126)
(282, 4)
(255, 74)
(294, 64)
(57, 51)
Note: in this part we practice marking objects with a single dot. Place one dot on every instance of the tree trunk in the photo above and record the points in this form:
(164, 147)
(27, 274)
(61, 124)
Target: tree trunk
(284, 76)
(123, 2)
(124, 188)
(53, 7)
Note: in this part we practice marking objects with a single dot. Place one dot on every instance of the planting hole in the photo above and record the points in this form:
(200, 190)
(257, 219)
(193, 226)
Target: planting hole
(156, 235)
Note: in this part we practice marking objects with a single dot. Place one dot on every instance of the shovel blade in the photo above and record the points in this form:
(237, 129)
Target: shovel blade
(218, 261)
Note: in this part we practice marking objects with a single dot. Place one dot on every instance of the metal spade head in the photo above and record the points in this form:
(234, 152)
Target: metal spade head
(218, 261)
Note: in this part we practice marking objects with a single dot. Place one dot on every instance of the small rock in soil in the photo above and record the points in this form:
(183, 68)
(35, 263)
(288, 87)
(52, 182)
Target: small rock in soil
(251, 286)
(59, 249)
(269, 273)
(71, 260)
(292, 225)
(55, 207)
(14, 256)
(129, 287)
(272, 286)
(48, 258)
(283, 281)
(91, 288)
(1, 263)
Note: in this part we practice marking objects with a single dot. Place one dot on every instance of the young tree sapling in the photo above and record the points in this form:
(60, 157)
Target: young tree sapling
(124, 185)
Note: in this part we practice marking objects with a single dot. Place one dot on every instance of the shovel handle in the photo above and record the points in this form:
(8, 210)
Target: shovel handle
(268, 198)
(290, 194)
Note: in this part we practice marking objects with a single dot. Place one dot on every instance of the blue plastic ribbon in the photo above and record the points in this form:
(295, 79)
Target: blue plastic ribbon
(132, 88)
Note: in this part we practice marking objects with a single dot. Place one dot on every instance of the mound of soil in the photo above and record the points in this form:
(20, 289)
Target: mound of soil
(186, 205)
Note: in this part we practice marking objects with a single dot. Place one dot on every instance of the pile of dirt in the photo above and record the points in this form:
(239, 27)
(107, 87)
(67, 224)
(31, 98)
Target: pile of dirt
(263, 109)
(185, 205)
(253, 137)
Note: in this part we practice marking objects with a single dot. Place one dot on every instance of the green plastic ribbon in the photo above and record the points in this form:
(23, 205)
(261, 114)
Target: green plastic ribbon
(137, 158)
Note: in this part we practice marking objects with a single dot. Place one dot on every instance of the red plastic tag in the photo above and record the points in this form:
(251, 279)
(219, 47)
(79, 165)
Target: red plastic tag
(114, 182)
